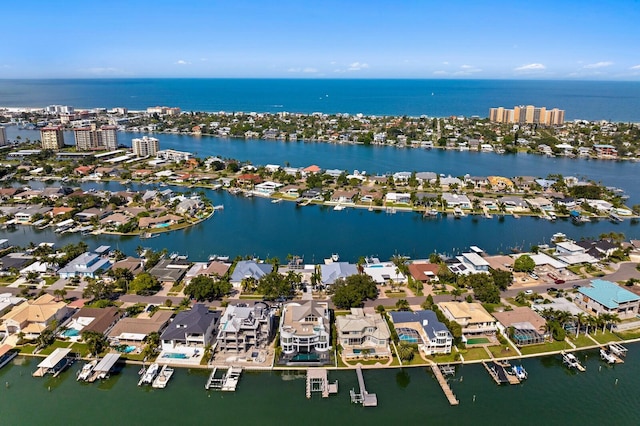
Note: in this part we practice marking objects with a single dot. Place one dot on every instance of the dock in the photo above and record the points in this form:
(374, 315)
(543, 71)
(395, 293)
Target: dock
(444, 384)
(618, 350)
(363, 397)
(54, 363)
(231, 379)
(607, 355)
(499, 374)
(571, 361)
(103, 369)
(213, 382)
(161, 380)
(318, 381)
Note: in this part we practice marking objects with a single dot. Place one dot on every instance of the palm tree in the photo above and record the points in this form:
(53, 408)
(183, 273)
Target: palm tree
(59, 293)
(613, 319)
(456, 292)
(580, 319)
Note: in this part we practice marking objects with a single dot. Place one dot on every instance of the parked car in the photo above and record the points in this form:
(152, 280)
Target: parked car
(533, 275)
(552, 290)
(559, 281)
(528, 292)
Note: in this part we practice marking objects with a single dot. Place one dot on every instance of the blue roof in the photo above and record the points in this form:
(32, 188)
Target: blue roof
(608, 294)
(428, 319)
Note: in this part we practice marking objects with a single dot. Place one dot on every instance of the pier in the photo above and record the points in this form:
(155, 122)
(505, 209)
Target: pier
(498, 373)
(54, 363)
(318, 381)
(103, 369)
(213, 382)
(365, 398)
(618, 350)
(444, 384)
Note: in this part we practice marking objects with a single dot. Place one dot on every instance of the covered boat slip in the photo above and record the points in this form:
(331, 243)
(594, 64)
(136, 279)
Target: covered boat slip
(6, 355)
(54, 363)
(102, 370)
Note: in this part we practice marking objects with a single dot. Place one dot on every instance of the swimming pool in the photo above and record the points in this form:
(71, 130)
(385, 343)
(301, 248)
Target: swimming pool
(71, 332)
(162, 225)
(477, 341)
(175, 355)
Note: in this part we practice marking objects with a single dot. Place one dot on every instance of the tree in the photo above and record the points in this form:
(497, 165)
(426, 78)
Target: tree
(406, 351)
(203, 288)
(98, 290)
(96, 342)
(353, 291)
(524, 263)
(59, 293)
(503, 279)
(402, 305)
(144, 284)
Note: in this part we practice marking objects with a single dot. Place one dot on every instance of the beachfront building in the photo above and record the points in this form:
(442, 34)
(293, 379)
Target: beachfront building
(527, 114)
(523, 325)
(34, 316)
(473, 318)
(305, 333)
(249, 269)
(424, 329)
(145, 146)
(173, 155)
(86, 265)
(190, 329)
(52, 138)
(245, 328)
(336, 270)
(424, 272)
(133, 331)
(469, 263)
(363, 333)
(605, 297)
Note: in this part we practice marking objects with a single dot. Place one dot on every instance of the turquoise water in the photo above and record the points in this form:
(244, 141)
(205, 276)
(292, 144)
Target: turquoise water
(71, 332)
(552, 395)
(174, 355)
(593, 100)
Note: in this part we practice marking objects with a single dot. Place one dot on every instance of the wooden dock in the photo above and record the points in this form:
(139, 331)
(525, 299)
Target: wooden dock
(444, 385)
(365, 398)
(318, 381)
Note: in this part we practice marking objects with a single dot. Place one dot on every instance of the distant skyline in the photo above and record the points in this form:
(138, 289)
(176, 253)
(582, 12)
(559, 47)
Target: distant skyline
(558, 40)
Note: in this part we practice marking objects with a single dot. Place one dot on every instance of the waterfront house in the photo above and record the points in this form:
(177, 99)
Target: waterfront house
(598, 249)
(249, 269)
(34, 316)
(336, 270)
(527, 326)
(500, 183)
(245, 328)
(540, 203)
(87, 264)
(159, 222)
(189, 206)
(424, 329)
(456, 200)
(363, 332)
(605, 297)
(305, 329)
(398, 198)
(170, 271)
(473, 318)
(384, 273)
(476, 181)
(267, 188)
(192, 328)
(514, 203)
(346, 197)
(133, 331)
(469, 263)
(423, 177)
(132, 264)
(98, 320)
(424, 272)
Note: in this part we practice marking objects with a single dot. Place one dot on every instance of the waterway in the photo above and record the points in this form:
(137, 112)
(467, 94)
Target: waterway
(551, 395)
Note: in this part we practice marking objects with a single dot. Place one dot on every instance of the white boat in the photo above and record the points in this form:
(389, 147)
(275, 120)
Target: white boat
(607, 356)
(339, 207)
(519, 372)
(276, 200)
(458, 213)
(219, 207)
(163, 378)
(149, 374)
(87, 369)
(571, 361)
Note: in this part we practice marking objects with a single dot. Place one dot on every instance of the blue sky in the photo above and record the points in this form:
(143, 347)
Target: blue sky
(513, 39)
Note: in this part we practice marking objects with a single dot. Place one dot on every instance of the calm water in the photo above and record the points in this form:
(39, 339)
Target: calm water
(592, 100)
(551, 395)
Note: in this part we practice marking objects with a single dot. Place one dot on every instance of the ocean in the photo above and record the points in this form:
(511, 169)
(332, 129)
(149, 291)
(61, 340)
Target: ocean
(590, 100)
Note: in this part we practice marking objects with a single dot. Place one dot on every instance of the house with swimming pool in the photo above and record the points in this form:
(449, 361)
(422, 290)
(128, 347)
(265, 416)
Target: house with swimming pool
(363, 332)
(189, 330)
(245, 328)
(472, 317)
(305, 333)
(424, 329)
(132, 331)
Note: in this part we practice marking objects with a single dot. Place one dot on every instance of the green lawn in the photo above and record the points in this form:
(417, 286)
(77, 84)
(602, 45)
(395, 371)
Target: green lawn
(545, 347)
(251, 296)
(581, 341)
(500, 351)
(475, 354)
(81, 349)
(513, 301)
(370, 361)
(444, 358)
(390, 293)
(57, 344)
(27, 349)
(605, 337)
(630, 334)
(50, 280)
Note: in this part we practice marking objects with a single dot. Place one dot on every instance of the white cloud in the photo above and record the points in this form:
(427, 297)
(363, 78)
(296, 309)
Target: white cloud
(445, 63)
(310, 70)
(599, 65)
(635, 67)
(467, 70)
(305, 70)
(182, 62)
(531, 67)
(440, 72)
(467, 67)
(357, 66)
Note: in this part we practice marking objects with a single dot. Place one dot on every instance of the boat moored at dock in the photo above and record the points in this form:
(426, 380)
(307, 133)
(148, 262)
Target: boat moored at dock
(571, 361)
